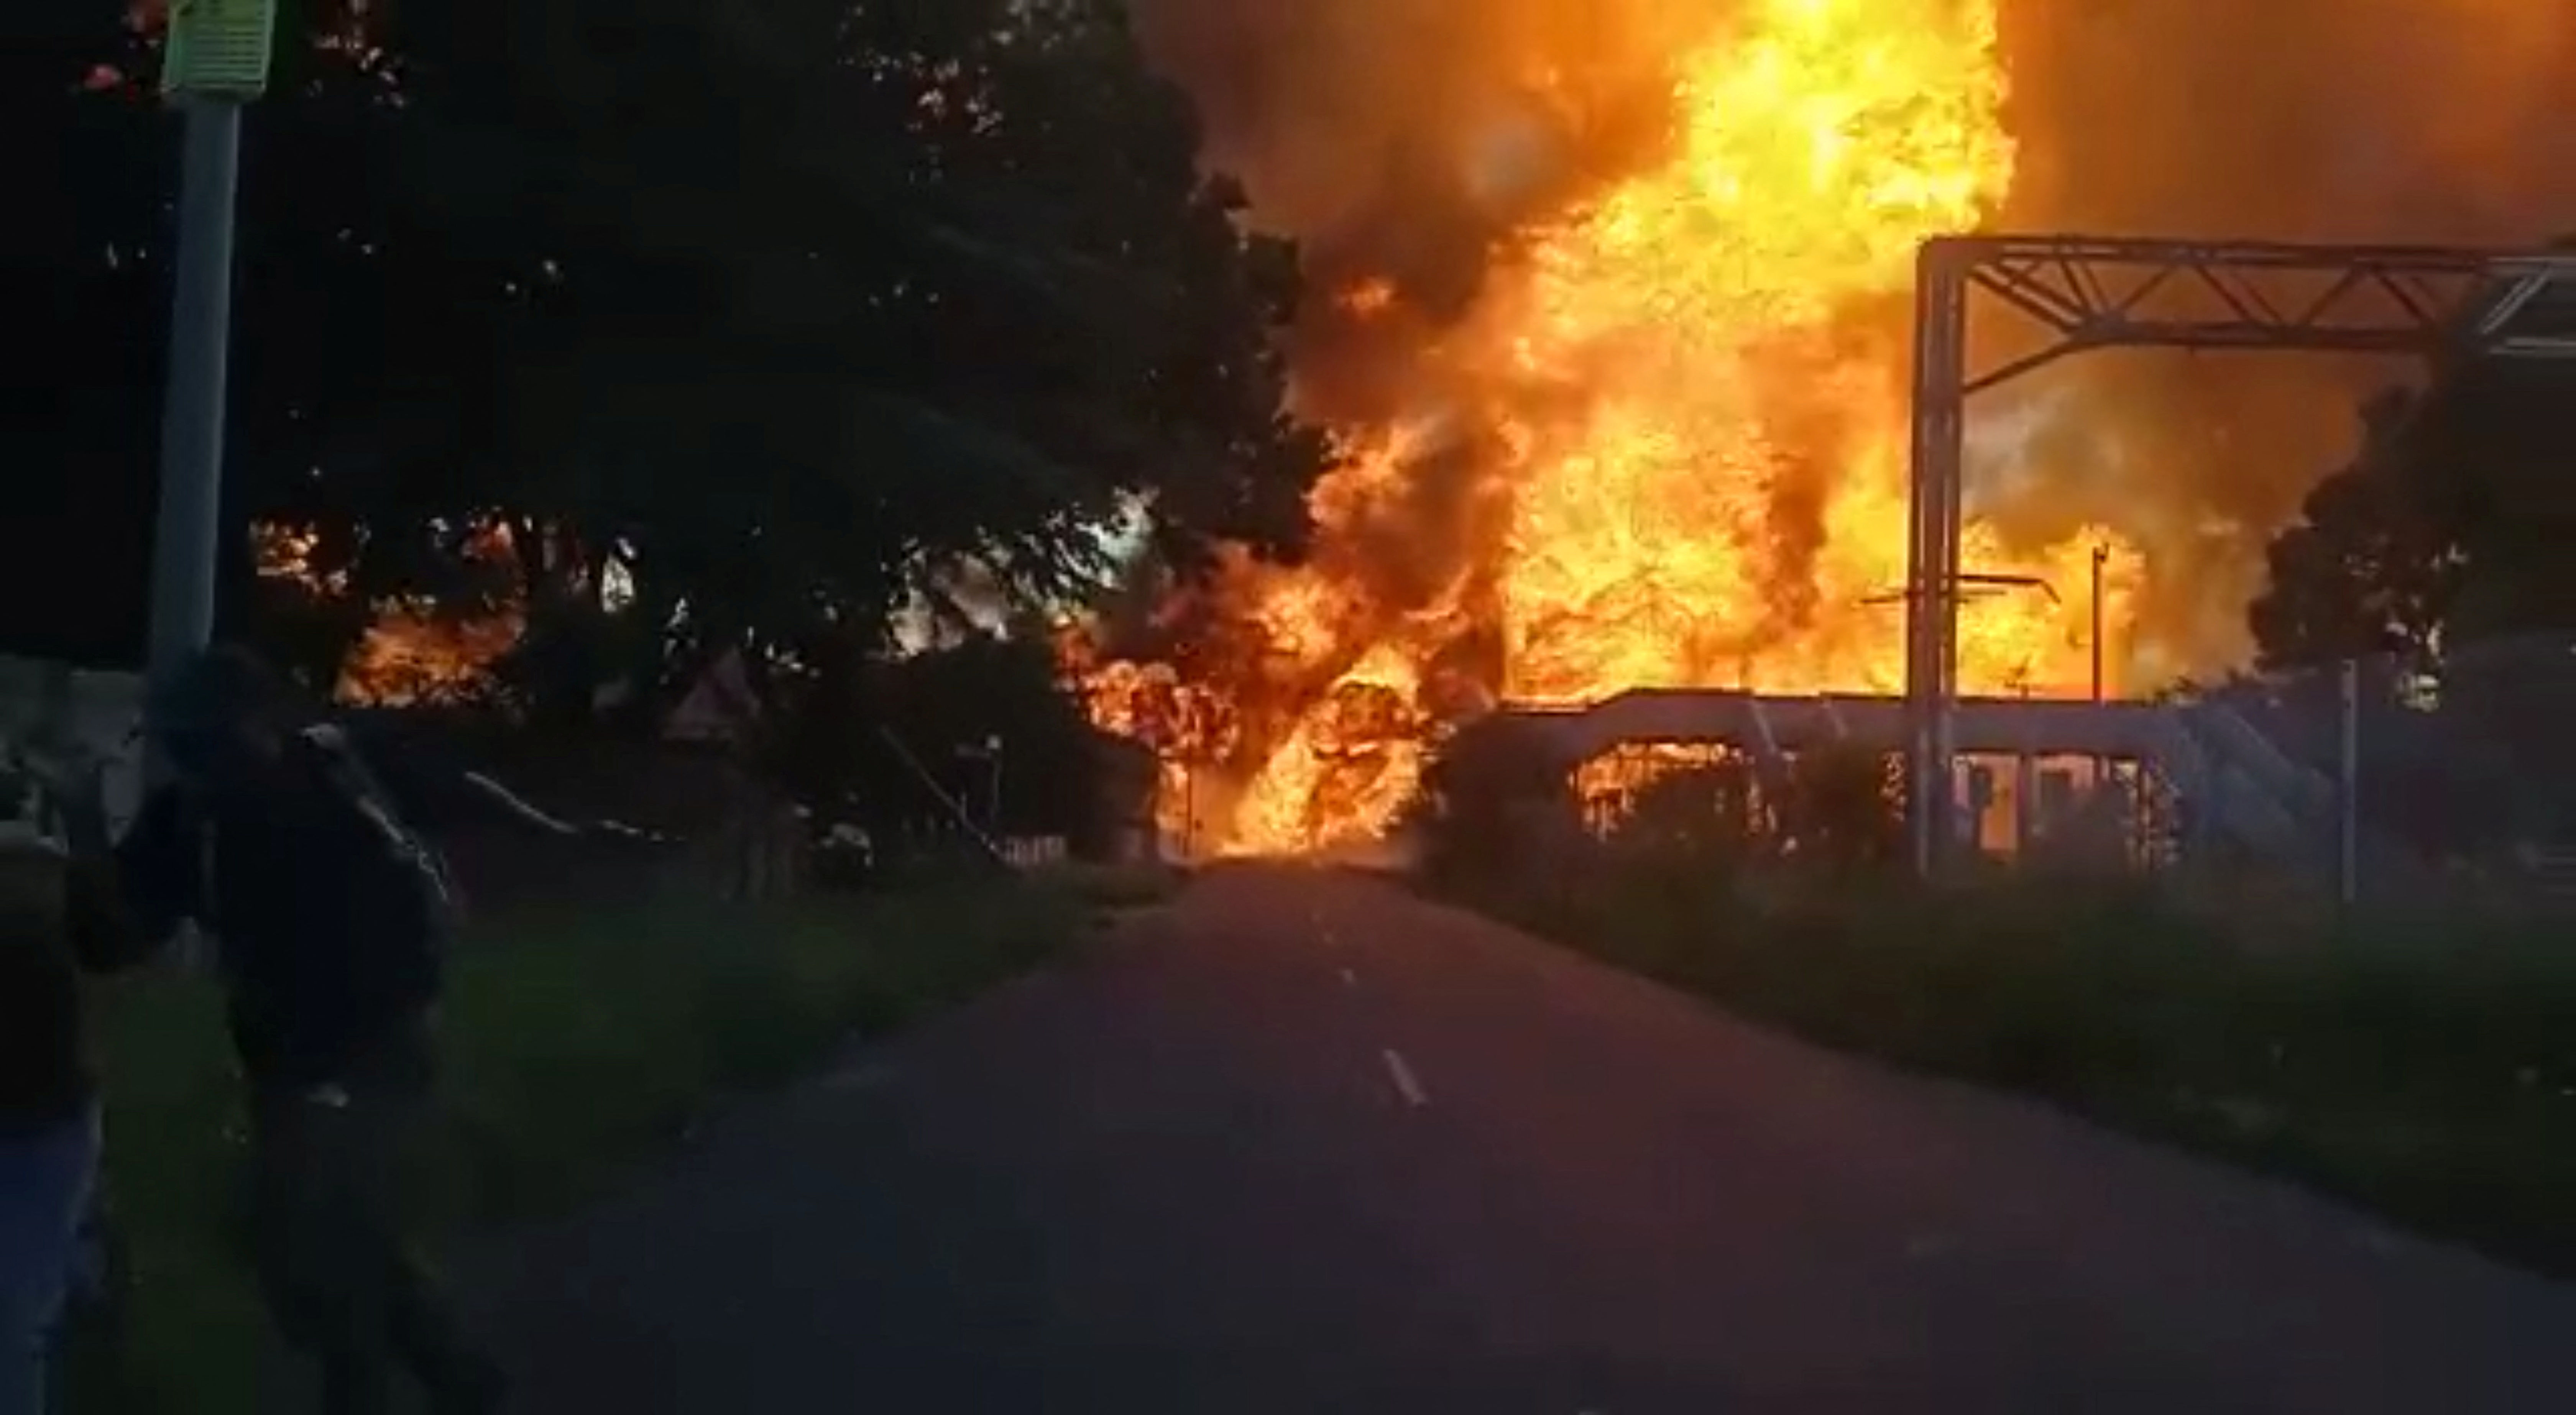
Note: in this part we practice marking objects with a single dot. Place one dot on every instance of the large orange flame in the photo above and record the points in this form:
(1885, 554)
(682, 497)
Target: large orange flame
(1691, 391)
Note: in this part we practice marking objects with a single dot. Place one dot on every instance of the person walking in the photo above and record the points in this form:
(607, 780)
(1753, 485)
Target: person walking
(299, 853)
(58, 918)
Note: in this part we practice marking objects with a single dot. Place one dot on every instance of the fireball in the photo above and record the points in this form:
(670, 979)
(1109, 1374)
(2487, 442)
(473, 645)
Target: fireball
(1685, 400)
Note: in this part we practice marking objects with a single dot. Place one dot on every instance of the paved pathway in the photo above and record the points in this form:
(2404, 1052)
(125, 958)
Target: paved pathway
(1302, 1143)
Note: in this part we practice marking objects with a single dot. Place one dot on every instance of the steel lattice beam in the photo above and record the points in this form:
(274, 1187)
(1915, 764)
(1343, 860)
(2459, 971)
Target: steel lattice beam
(2089, 292)
(2141, 294)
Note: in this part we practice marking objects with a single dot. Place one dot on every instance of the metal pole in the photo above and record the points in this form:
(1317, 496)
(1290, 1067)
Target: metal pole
(1932, 552)
(994, 806)
(2347, 789)
(1918, 574)
(1189, 809)
(957, 808)
(1946, 599)
(2025, 786)
(2101, 554)
(187, 535)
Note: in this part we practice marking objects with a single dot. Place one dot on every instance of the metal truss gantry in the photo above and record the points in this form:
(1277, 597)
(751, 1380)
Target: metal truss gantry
(2090, 292)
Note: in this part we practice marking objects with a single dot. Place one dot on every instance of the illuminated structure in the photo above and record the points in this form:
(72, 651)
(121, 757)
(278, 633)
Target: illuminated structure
(2089, 292)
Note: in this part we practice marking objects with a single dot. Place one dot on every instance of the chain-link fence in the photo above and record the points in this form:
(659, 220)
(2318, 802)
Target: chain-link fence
(2463, 773)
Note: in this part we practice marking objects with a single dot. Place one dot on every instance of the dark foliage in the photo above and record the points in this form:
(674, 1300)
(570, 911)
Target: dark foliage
(2449, 525)
(1494, 793)
(1498, 804)
(761, 321)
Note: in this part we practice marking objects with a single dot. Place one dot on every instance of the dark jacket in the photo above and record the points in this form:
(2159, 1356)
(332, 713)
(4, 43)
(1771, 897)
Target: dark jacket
(279, 876)
(57, 920)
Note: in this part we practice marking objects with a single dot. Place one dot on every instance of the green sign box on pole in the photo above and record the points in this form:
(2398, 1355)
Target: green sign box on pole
(218, 48)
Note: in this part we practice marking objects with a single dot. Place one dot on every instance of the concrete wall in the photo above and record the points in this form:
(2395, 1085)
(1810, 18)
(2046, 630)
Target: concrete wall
(42, 701)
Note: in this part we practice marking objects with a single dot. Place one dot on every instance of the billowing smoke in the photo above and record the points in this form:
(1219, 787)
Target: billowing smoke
(2368, 121)
(1407, 144)
(1410, 142)
(1406, 139)
(2348, 120)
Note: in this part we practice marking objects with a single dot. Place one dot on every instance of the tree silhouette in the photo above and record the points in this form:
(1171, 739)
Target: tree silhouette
(748, 323)
(2447, 527)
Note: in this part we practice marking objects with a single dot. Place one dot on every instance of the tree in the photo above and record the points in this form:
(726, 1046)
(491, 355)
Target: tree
(2370, 567)
(78, 282)
(1708, 814)
(1496, 802)
(679, 325)
(2442, 545)
(1845, 808)
(896, 290)
(979, 722)
(2448, 525)
(336, 341)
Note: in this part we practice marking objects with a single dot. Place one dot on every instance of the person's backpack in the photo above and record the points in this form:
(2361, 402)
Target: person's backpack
(409, 893)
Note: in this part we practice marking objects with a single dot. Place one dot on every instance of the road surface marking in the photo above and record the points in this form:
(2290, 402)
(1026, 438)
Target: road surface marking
(1406, 1084)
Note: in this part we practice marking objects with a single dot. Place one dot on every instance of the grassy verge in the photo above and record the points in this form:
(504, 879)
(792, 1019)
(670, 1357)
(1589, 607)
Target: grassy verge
(575, 1043)
(2425, 1070)
(1116, 888)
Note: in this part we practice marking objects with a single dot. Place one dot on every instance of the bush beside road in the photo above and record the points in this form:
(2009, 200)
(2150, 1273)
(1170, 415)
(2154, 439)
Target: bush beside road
(577, 1040)
(2427, 1071)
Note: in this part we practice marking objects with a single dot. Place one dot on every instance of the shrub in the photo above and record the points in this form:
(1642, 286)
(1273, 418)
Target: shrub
(1492, 794)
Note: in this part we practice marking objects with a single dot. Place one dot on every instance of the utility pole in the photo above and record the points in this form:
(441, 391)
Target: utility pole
(2348, 789)
(2025, 780)
(2101, 765)
(2101, 557)
(993, 784)
(214, 62)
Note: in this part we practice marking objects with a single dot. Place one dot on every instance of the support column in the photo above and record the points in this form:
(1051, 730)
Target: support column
(1932, 553)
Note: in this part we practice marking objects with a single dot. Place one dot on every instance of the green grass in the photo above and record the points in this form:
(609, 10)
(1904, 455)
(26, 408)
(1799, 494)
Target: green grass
(1116, 887)
(576, 1042)
(2425, 1068)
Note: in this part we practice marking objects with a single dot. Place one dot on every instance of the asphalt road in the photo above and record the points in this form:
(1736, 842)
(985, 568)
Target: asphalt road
(1301, 1143)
